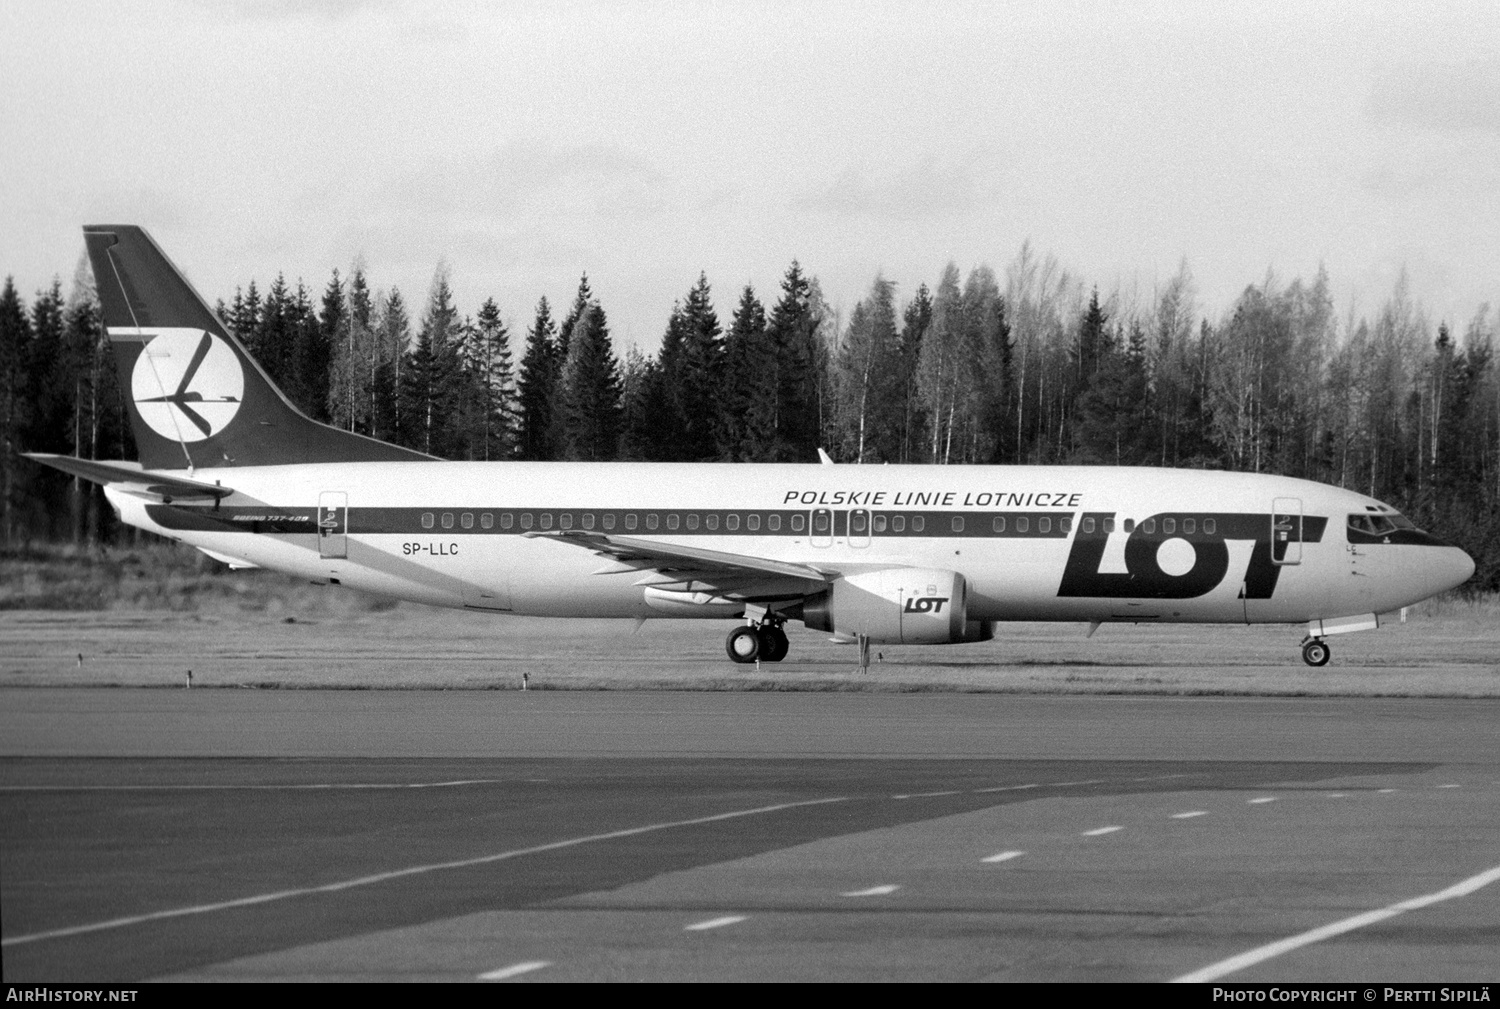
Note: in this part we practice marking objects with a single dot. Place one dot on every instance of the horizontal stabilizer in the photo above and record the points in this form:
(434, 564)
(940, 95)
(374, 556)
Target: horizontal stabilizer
(110, 472)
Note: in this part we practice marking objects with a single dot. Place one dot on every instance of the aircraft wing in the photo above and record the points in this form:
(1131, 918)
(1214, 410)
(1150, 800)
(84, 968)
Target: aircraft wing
(132, 477)
(685, 568)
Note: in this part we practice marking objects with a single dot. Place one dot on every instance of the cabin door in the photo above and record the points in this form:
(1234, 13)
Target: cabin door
(1286, 530)
(333, 524)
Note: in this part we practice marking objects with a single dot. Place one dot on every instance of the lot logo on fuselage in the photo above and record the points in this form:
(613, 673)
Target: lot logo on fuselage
(1162, 565)
(187, 384)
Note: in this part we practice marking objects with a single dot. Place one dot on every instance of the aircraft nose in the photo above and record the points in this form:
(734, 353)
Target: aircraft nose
(1450, 569)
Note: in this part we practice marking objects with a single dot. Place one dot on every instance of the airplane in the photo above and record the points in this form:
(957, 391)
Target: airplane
(870, 554)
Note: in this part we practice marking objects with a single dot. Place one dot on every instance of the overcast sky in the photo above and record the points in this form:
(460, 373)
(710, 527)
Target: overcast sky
(643, 143)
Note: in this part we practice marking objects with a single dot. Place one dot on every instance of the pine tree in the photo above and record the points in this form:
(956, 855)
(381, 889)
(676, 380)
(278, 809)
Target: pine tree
(793, 332)
(537, 388)
(491, 363)
(700, 374)
(393, 336)
(591, 389)
(915, 321)
(748, 385)
(15, 400)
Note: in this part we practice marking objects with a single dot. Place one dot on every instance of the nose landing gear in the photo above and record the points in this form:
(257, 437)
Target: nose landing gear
(766, 642)
(1315, 652)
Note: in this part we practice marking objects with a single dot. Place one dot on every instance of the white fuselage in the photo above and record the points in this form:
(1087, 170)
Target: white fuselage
(454, 534)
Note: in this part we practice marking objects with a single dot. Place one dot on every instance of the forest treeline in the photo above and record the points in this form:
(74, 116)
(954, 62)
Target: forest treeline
(1028, 366)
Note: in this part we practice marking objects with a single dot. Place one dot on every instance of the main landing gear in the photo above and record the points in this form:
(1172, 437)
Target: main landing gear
(1315, 652)
(766, 642)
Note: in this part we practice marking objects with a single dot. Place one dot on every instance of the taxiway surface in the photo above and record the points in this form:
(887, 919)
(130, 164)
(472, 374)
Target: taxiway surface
(246, 835)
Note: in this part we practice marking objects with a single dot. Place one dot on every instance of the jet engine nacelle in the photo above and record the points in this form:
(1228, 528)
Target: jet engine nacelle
(923, 606)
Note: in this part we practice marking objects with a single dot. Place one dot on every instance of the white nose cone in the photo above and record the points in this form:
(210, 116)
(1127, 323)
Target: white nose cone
(1450, 568)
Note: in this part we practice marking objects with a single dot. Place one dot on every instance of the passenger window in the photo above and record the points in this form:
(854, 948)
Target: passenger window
(427, 520)
(588, 520)
(898, 523)
(447, 520)
(565, 520)
(1169, 526)
(467, 520)
(507, 520)
(1023, 524)
(773, 523)
(1149, 527)
(546, 520)
(999, 523)
(858, 521)
(1189, 526)
(712, 521)
(1067, 524)
(486, 521)
(918, 523)
(799, 522)
(880, 523)
(732, 523)
(526, 520)
(1209, 526)
(692, 521)
(820, 523)
(673, 521)
(609, 522)
(631, 521)
(958, 523)
(652, 521)
(1088, 525)
(1044, 525)
(1109, 525)
(1130, 525)
(752, 523)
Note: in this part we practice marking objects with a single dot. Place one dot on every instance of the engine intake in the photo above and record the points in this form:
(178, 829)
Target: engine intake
(897, 606)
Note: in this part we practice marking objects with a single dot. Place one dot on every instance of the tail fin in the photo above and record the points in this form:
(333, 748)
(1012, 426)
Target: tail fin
(196, 397)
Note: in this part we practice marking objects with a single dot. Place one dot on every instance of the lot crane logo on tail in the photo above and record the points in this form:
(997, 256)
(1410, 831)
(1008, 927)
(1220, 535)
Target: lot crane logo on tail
(187, 383)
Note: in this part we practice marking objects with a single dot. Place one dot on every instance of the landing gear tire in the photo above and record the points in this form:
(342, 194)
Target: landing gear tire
(744, 644)
(773, 644)
(1316, 653)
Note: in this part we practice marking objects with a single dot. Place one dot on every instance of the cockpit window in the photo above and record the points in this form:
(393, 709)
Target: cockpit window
(1379, 525)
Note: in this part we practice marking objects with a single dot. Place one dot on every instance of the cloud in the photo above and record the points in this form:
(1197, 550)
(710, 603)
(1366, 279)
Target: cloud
(1439, 96)
(930, 188)
(530, 178)
(289, 10)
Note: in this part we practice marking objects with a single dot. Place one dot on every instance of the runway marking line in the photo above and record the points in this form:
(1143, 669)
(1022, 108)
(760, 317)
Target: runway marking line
(1004, 856)
(312, 787)
(514, 969)
(925, 795)
(1004, 788)
(1384, 791)
(1190, 814)
(1098, 831)
(414, 870)
(874, 891)
(1450, 786)
(1338, 795)
(1250, 958)
(1262, 800)
(704, 926)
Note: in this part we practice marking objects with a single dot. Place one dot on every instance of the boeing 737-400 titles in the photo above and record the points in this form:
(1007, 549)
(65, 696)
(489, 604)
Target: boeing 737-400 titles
(874, 554)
